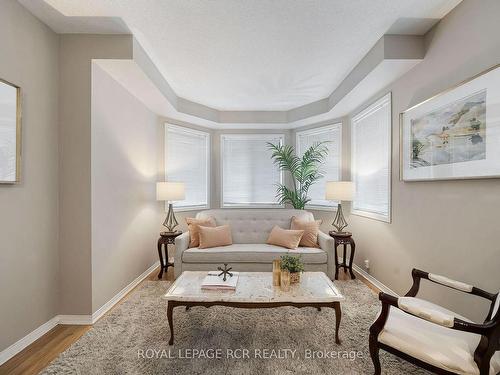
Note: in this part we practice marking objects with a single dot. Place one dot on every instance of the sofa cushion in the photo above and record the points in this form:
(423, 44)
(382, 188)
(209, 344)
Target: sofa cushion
(285, 237)
(250, 253)
(213, 237)
(310, 228)
(194, 228)
(440, 346)
(254, 225)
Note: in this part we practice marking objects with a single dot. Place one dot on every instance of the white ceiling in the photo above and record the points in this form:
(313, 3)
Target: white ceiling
(255, 55)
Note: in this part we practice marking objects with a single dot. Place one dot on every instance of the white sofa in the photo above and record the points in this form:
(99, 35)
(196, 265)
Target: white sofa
(249, 251)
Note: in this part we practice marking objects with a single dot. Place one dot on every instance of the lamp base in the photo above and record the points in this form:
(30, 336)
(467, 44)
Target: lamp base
(339, 223)
(170, 221)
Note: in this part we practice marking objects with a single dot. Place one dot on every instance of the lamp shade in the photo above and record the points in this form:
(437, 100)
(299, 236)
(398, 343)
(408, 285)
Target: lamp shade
(339, 191)
(170, 191)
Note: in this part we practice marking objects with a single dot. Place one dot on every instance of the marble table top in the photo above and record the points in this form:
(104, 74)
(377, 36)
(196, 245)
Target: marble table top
(255, 287)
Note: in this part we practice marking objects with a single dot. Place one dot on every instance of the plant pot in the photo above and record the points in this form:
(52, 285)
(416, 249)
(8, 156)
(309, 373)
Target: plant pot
(294, 277)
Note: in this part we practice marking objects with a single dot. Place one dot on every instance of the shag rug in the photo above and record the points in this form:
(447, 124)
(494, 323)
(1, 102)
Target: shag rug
(133, 339)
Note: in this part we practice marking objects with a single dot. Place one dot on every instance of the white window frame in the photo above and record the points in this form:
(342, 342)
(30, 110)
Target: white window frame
(247, 136)
(322, 129)
(366, 112)
(207, 136)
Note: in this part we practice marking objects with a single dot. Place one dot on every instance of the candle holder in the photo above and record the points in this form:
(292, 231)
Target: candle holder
(285, 280)
(276, 272)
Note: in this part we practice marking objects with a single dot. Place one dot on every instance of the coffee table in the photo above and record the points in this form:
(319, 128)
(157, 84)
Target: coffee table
(255, 290)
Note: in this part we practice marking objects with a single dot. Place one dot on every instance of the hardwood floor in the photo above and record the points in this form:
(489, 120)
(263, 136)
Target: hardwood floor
(39, 354)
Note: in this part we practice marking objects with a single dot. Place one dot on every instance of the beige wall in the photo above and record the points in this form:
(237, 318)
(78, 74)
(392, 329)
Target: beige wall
(76, 52)
(29, 210)
(446, 227)
(125, 214)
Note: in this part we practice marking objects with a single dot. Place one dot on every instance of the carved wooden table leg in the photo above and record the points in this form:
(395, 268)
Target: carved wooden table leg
(336, 261)
(353, 248)
(160, 255)
(338, 316)
(170, 311)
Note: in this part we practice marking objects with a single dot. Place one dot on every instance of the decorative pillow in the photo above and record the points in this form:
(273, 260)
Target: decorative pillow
(310, 228)
(194, 228)
(285, 237)
(218, 236)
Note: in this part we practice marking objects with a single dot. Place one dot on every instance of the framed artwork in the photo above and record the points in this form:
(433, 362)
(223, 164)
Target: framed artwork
(10, 133)
(455, 134)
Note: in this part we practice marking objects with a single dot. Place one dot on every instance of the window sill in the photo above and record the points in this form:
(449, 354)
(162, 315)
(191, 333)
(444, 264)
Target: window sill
(372, 215)
(253, 206)
(193, 208)
(322, 208)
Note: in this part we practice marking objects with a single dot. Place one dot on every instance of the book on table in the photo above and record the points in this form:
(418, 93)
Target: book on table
(215, 282)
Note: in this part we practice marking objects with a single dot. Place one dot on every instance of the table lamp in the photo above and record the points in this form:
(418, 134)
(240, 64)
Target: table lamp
(339, 191)
(170, 191)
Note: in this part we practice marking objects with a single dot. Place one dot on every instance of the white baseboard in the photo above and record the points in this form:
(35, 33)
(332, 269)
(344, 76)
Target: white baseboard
(384, 288)
(31, 337)
(122, 293)
(75, 319)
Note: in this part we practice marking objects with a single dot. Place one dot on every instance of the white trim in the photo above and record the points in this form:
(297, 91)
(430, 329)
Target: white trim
(384, 288)
(75, 319)
(31, 337)
(244, 136)
(375, 106)
(122, 293)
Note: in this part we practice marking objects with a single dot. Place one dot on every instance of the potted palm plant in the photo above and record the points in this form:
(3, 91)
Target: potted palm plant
(294, 265)
(305, 171)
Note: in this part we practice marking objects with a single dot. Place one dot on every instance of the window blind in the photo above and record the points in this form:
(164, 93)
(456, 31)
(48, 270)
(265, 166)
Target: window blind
(187, 160)
(371, 160)
(332, 166)
(249, 176)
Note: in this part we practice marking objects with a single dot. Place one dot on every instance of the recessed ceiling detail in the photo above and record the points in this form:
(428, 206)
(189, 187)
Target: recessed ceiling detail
(240, 61)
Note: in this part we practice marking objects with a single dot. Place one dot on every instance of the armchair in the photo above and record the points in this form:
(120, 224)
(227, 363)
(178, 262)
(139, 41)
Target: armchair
(433, 337)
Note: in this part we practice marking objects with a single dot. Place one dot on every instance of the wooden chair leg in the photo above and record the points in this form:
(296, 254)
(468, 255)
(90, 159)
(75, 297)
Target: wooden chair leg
(374, 349)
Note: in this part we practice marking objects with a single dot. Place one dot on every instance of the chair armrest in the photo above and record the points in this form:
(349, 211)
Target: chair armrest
(407, 304)
(417, 275)
(445, 320)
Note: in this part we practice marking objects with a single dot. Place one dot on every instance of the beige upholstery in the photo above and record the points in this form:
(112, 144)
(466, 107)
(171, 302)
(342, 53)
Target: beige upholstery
(251, 253)
(439, 346)
(443, 280)
(250, 229)
(415, 306)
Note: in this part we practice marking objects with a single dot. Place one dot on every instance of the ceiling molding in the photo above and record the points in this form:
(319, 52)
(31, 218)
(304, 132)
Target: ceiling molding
(390, 57)
(400, 49)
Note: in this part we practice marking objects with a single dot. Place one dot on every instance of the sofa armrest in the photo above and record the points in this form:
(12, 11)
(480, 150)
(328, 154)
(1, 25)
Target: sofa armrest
(326, 244)
(181, 245)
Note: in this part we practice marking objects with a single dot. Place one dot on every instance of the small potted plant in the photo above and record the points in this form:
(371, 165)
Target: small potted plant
(294, 265)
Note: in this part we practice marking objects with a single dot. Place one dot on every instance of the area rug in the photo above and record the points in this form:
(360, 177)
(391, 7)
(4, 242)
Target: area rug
(133, 339)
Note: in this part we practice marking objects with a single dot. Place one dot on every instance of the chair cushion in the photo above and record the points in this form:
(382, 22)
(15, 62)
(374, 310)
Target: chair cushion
(439, 346)
(250, 253)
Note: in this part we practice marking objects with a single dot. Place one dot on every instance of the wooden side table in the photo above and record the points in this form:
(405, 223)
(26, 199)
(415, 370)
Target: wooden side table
(166, 238)
(345, 239)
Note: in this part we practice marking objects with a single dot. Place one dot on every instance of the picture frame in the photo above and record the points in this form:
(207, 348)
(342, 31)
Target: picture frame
(10, 133)
(454, 134)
